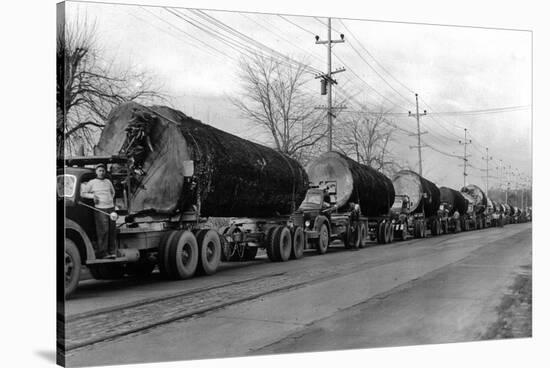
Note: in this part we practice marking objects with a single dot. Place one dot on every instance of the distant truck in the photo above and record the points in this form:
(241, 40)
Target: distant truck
(416, 207)
(453, 207)
(488, 214)
(498, 215)
(477, 205)
(347, 201)
(508, 211)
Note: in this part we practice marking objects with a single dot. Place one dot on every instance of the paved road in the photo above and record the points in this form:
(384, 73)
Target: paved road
(441, 289)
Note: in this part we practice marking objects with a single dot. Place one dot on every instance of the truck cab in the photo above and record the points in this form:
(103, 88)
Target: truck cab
(401, 204)
(79, 224)
(314, 214)
(322, 220)
(406, 222)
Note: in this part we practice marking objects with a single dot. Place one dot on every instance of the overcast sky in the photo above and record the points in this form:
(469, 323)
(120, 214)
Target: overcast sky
(451, 68)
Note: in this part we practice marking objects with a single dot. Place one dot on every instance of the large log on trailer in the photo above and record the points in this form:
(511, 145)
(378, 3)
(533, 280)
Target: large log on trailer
(490, 207)
(454, 199)
(478, 196)
(507, 209)
(356, 183)
(423, 194)
(232, 177)
(499, 207)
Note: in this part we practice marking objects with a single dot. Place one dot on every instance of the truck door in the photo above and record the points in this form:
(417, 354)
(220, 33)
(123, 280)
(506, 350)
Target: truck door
(82, 215)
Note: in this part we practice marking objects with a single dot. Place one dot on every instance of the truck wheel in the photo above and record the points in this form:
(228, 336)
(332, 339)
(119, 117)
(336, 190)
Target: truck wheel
(283, 244)
(297, 244)
(433, 228)
(423, 229)
(324, 239)
(381, 234)
(389, 232)
(163, 250)
(270, 241)
(347, 238)
(353, 238)
(183, 255)
(73, 265)
(357, 238)
(363, 233)
(210, 250)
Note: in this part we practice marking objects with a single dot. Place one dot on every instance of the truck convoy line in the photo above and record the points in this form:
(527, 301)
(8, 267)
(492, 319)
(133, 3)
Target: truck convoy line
(190, 196)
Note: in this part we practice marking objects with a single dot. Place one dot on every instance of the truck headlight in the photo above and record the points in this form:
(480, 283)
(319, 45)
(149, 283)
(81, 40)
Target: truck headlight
(307, 223)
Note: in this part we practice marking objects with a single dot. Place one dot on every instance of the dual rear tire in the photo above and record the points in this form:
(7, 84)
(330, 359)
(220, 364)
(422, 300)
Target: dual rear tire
(385, 233)
(181, 254)
(419, 229)
(279, 246)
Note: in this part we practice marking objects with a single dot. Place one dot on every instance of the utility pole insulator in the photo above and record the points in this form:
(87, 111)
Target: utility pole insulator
(323, 87)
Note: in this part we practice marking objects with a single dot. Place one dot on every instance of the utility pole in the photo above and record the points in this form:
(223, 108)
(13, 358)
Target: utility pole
(507, 178)
(500, 174)
(465, 143)
(487, 158)
(418, 134)
(522, 185)
(326, 79)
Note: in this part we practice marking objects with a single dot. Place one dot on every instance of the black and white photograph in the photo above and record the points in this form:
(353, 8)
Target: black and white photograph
(240, 183)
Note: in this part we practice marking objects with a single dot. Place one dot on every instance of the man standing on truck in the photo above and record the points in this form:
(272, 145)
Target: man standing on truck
(101, 190)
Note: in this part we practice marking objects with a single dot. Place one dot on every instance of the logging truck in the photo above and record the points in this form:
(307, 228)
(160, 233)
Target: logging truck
(346, 201)
(181, 244)
(187, 196)
(416, 206)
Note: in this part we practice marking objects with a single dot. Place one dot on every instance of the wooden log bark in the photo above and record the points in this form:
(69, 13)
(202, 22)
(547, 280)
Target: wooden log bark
(356, 183)
(454, 199)
(478, 196)
(423, 194)
(233, 177)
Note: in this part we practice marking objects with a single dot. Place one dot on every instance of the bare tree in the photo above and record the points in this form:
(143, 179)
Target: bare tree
(88, 86)
(273, 98)
(365, 137)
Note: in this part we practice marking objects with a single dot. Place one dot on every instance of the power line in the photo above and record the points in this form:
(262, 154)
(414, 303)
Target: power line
(494, 110)
(369, 65)
(380, 64)
(188, 34)
(258, 44)
(291, 22)
(343, 63)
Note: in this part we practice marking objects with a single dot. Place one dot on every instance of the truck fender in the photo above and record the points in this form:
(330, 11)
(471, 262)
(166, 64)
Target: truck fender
(319, 221)
(84, 244)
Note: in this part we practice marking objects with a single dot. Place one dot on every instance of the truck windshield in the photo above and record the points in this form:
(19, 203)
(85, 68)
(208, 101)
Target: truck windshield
(313, 198)
(398, 203)
(66, 185)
